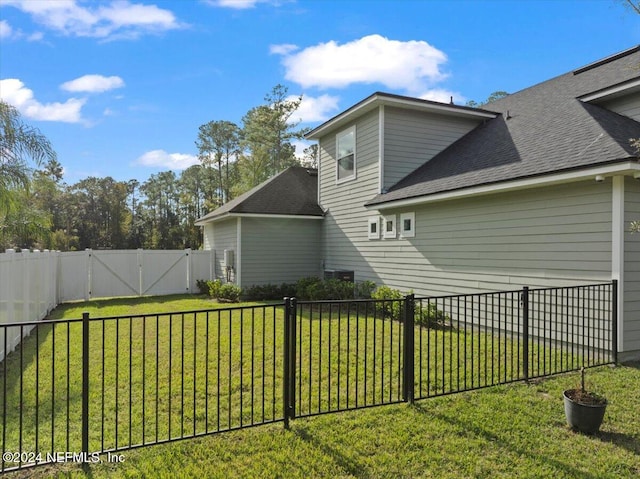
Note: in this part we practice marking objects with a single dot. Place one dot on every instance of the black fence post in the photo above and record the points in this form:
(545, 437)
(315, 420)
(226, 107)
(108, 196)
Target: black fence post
(292, 357)
(525, 332)
(408, 346)
(289, 373)
(286, 361)
(85, 389)
(614, 319)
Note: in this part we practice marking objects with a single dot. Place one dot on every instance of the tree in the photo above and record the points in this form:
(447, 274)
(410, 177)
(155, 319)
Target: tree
(310, 158)
(267, 137)
(218, 141)
(496, 95)
(635, 6)
(20, 146)
(101, 215)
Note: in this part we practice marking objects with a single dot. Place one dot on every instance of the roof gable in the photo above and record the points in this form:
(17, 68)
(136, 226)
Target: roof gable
(292, 192)
(380, 98)
(543, 129)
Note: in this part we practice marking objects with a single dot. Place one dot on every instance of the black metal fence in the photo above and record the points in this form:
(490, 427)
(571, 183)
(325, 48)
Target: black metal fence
(77, 388)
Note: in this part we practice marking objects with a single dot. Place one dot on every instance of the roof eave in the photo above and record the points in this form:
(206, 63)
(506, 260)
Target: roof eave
(626, 167)
(613, 91)
(228, 215)
(377, 99)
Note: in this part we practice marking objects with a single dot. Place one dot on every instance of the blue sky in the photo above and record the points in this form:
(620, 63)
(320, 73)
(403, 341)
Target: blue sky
(120, 87)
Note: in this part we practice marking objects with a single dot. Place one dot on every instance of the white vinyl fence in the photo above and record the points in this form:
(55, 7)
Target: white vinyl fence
(33, 283)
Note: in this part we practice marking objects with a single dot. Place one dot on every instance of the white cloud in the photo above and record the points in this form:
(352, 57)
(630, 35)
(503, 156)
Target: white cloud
(412, 66)
(283, 49)
(300, 146)
(14, 92)
(313, 109)
(173, 161)
(120, 19)
(93, 84)
(5, 29)
(35, 37)
(8, 32)
(443, 96)
(238, 4)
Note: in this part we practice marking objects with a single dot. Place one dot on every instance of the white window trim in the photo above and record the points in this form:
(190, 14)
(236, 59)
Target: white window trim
(355, 155)
(376, 221)
(389, 234)
(410, 233)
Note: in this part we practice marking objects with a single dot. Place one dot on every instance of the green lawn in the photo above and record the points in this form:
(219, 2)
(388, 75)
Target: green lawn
(502, 431)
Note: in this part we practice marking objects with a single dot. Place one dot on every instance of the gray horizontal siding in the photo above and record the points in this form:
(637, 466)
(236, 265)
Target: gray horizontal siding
(628, 106)
(344, 202)
(411, 138)
(276, 251)
(223, 235)
(540, 237)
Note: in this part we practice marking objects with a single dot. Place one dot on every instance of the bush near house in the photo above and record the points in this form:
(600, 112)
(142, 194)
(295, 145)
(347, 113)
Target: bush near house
(203, 286)
(391, 306)
(225, 293)
(310, 289)
(267, 292)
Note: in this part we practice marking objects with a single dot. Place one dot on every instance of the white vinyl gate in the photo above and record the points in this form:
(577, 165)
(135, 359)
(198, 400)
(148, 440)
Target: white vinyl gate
(33, 283)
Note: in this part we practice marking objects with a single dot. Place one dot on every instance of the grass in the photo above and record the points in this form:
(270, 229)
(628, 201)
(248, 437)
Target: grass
(503, 431)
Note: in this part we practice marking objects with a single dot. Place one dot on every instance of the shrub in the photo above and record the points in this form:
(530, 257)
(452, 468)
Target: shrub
(229, 292)
(214, 288)
(430, 316)
(265, 292)
(316, 289)
(203, 286)
(364, 289)
(303, 285)
(389, 302)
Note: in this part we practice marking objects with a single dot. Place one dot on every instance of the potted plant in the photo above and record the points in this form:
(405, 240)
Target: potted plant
(584, 409)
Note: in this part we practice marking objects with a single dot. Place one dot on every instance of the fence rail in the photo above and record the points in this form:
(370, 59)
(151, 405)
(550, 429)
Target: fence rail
(94, 385)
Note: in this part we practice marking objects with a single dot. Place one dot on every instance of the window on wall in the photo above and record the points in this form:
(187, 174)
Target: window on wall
(408, 225)
(346, 154)
(389, 226)
(374, 228)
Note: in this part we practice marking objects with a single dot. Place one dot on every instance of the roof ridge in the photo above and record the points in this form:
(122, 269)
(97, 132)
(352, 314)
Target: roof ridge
(606, 60)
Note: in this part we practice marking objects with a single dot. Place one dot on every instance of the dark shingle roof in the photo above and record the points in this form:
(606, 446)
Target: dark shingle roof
(542, 129)
(293, 191)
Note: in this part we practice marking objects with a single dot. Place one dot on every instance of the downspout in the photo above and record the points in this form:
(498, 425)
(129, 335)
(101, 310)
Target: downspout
(617, 250)
(381, 149)
(239, 253)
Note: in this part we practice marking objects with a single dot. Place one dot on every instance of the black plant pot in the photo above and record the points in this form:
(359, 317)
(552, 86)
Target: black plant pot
(582, 417)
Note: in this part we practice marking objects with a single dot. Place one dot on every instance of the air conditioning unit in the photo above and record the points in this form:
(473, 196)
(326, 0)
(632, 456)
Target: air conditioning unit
(341, 274)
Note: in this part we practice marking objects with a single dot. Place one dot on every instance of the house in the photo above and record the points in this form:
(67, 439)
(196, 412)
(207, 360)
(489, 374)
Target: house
(270, 234)
(537, 188)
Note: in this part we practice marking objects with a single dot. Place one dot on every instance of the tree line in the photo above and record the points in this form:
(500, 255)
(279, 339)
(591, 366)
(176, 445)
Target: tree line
(39, 210)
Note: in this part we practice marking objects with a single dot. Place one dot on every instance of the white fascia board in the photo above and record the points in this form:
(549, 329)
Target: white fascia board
(287, 217)
(625, 169)
(375, 100)
(257, 215)
(612, 92)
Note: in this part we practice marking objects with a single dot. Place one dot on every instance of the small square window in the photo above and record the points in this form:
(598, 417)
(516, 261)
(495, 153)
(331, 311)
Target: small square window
(374, 228)
(408, 225)
(390, 226)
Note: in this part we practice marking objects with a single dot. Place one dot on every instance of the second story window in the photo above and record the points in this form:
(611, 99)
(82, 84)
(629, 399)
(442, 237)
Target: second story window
(346, 154)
